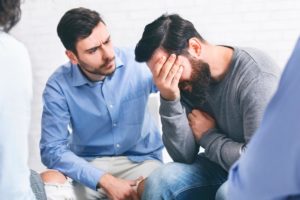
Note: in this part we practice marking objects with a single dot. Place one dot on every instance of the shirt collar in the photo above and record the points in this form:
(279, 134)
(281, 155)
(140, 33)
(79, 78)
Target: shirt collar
(78, 78)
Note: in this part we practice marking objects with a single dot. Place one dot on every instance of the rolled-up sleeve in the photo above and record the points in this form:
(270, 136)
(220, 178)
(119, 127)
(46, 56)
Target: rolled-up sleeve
(54, 148)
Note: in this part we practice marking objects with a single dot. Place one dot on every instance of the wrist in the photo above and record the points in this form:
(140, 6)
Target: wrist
(104, 180)
(169, 96)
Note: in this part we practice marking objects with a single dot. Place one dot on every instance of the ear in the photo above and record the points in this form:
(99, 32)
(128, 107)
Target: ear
(72, 57)
(195, 47)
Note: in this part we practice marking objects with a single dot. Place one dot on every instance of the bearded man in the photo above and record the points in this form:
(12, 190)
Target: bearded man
(212, 96)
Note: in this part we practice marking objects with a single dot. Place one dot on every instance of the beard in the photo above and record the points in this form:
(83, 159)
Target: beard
(101, 69)
(199, 82)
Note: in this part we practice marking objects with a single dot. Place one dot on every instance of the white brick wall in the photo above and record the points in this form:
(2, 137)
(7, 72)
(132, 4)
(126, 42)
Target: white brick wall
(271, 25)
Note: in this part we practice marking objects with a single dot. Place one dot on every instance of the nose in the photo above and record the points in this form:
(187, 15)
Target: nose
(107, 52)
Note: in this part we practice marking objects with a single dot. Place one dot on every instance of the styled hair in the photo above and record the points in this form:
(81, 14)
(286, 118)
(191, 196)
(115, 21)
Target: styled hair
(10, 13)
(171, 32)
(76, 24)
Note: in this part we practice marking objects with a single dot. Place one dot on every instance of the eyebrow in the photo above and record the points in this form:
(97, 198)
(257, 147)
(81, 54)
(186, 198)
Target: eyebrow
(95, 47)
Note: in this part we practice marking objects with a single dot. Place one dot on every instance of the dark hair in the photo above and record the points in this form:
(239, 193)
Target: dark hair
(171, 32)
(10, 13)
(76, 24)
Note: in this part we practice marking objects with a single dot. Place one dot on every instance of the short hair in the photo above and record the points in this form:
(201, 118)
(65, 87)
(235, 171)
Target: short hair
(76, 24)
(171, 32)
(10, 14)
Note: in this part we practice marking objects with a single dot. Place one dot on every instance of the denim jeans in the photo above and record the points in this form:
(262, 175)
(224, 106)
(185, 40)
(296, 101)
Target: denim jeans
(178, 181)
(222, 192)
(37, 186)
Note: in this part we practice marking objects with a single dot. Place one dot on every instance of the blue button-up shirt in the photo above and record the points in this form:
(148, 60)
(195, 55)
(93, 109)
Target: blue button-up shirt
(83, 119)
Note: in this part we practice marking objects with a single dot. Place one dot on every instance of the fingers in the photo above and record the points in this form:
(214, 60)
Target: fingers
(131, 192)
(172, 71)
(139, 179)
(197, 112)
(132, 182)
(208, 116)
(191, 119)
(176, 78)
(134, 195)
(158, 66)
(192, 116)
(167, 67)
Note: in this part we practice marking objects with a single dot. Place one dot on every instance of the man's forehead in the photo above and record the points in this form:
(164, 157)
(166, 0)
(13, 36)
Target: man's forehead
(98, 36)
(158, 53)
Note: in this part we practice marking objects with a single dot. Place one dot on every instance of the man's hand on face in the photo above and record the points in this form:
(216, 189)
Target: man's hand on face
(119, 189)
(166, 75)
(200, 122)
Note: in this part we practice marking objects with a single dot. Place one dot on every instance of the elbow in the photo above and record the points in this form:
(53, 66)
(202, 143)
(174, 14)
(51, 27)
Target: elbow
(47, 160)
(182, 158)
(189, 159)
(44, 157)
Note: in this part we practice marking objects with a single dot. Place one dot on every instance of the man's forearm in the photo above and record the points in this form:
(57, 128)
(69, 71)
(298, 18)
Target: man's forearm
(177, 135)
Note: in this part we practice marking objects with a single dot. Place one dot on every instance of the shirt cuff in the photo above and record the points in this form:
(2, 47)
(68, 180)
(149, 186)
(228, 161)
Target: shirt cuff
(170, 108)
(207, 137)
(93, 177)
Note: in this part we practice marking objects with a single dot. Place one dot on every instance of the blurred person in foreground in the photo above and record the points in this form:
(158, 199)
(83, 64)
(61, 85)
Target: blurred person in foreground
(17, 182)
(269, 169)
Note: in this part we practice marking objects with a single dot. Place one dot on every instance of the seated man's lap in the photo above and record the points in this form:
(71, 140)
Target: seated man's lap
(185, 181)
(120, 167)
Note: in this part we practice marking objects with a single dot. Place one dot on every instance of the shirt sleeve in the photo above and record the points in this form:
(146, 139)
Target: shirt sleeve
(253, 99)
(54, 146)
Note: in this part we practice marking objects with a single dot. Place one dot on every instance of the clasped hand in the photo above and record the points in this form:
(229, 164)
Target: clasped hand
(200, 122)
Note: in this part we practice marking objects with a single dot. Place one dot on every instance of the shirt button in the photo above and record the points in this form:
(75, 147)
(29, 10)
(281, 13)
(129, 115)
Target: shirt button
(117, 145)
(115, 124)
(111, 106)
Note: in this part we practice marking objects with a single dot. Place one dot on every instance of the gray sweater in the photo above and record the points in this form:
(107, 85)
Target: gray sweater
(236, 103)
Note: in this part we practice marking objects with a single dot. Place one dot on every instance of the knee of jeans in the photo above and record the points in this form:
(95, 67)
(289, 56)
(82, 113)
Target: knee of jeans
(165, 176)
(222, 192)
(53, 176)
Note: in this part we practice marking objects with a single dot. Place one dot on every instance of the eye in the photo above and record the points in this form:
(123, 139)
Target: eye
(107, 41)
(93, 50)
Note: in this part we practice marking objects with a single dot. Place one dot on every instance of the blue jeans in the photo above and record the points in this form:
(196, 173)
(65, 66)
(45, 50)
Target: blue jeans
(222, 192)
(178, 181)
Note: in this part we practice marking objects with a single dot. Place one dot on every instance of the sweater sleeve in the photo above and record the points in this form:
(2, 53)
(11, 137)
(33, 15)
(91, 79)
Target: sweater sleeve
(54, 148)
(253, 98)
(177, 134)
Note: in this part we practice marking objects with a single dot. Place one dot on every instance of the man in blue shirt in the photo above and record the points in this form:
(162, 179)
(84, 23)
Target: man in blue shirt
(269, 169)
(96, 128)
